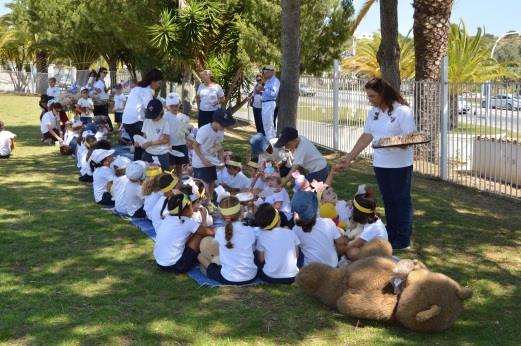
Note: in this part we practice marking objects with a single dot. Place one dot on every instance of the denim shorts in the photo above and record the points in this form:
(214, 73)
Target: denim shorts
(174, 160)
(206, 174)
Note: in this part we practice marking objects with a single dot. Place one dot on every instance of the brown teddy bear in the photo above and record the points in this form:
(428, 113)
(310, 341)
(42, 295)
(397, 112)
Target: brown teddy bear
(209, 248)
(376, 287)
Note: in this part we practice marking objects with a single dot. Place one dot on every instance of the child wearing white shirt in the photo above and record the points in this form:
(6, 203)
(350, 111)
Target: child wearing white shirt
(49, 124)
(277, 248)
(84, 151)
(232, 178)
(281, 198)
(119, 104)
(150, 188)
(100, 162)
(118, 185)
(157, 134)
(53, 91)
(168, 185)
(236, 245)
(319, 238)
(195, 189)
(136, 173)
(178, 239)
(180, 127)
(85, 107)
(6, 142)
(364, 213)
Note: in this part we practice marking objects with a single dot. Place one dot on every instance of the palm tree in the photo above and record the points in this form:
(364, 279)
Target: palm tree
(290, 63)
(365, 63)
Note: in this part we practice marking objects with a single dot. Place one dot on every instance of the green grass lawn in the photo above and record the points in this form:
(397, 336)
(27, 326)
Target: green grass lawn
(71, 274)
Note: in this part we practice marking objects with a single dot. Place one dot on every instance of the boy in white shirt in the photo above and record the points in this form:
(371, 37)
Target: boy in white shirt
(305, 155)
(118, 186)
(6, 142)
(208, 150)
(133, 195)
(232, 178)
(320, 240)
(53, 91)
(119, 104)
(180, 127)
(156, 132)
(49, 124)
(277, 248)
(86, 107)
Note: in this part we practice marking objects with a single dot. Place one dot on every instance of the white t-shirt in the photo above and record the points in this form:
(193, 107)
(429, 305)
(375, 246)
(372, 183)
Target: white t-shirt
(155, 215)
(210, 142)
(133, 197)
(282, 196)
(102, 96)
(278, 155)
(177, 124)
(374, 230)
(399, 123)
(81, 151)
(5, 142)
(198, 217)
(69, 136)
(54, 91)
(257, 101)
(279, 246)
(209, 96)
(153, 130)
(85, 167)
(48, 119)
(137, 102)
(343, 211)
(171, 239)
(89, 106)
(102, 175)
(318, 246)
(306, 155)
(237, 181)
(119, 103)
(238, 262)
(118, 194)
(150, 202)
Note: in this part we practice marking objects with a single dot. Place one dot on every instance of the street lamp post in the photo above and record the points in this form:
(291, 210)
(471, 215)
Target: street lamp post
(487, 83)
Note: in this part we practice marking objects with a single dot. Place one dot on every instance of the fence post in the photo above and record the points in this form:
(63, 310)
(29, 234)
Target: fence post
(336, 73)
(444, 118)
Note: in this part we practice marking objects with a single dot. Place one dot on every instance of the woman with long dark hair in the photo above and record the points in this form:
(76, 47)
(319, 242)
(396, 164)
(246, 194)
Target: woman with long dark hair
(389, 116)
(137, 101)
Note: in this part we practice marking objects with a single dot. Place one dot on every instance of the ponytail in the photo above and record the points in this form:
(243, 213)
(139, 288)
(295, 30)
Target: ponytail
(228, 233)
(93, 165)
(165, 203)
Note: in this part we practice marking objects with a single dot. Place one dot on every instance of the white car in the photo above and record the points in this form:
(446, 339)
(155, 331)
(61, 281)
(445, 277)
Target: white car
(502, 101)
(463, 106)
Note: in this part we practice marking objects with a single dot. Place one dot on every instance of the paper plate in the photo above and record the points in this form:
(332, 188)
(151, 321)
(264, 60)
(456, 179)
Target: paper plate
(244, 196)
(176, 153)
(139, 139)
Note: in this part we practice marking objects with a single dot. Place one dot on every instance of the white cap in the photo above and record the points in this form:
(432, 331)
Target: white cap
(99, 155)
(121, 162)
(77, 123)
(87, 133)
(135, 171)
(172, 99)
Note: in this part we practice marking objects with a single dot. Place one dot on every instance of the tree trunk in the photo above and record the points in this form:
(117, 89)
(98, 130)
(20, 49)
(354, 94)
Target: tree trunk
(42, 69)
(431, 36)
(290, 64)
(186, 87)
(113, 70)
(389, 51)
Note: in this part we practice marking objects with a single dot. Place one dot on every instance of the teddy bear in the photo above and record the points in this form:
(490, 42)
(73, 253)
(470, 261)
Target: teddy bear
(376, 287)
(209, 248)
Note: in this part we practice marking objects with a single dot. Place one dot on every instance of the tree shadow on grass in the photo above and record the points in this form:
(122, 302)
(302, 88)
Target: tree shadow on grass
(73, 273)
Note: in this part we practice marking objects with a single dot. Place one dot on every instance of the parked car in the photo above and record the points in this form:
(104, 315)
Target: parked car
(463, 106)
(305, 90)
(502, 101)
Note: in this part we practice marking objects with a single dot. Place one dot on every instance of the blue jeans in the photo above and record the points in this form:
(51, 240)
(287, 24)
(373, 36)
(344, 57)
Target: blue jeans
(257, 116)
(164, 159)
(395, 186)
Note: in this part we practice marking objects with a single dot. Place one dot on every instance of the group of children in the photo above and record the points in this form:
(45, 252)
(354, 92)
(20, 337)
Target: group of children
(194, 188)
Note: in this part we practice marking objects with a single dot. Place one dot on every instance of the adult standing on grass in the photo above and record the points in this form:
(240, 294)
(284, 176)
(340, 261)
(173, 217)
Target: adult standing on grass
(389, 116)
(210, 96)
(256, 103)
(137, 101)
(269, 100)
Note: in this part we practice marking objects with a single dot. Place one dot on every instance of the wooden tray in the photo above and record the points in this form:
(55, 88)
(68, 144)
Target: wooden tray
(400, 145)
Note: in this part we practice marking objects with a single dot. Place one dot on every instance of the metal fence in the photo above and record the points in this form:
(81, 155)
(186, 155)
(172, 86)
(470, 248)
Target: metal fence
(475, 127)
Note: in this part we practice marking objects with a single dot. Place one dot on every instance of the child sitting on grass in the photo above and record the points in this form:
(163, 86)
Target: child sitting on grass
(118, 185)
(364, 213)
(236, 245)
(319, 238)
(277, 248)
(232, 178)
(168, 184)
(49, 124)
(197, 194)
(85, 151)
(178, 239)
(133, 195)
(100, 163)
(6, 142)
(151, 190)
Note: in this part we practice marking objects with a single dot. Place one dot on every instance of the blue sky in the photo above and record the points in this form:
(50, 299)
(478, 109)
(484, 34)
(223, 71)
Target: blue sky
(498, 16)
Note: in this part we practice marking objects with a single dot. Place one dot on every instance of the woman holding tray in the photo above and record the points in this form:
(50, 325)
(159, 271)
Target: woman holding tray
(389, 116)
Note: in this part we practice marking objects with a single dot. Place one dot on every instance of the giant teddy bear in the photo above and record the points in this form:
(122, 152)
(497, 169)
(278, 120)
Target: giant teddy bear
(376, 287)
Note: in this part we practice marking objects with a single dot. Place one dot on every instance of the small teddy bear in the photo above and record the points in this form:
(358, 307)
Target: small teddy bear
(210, 250)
